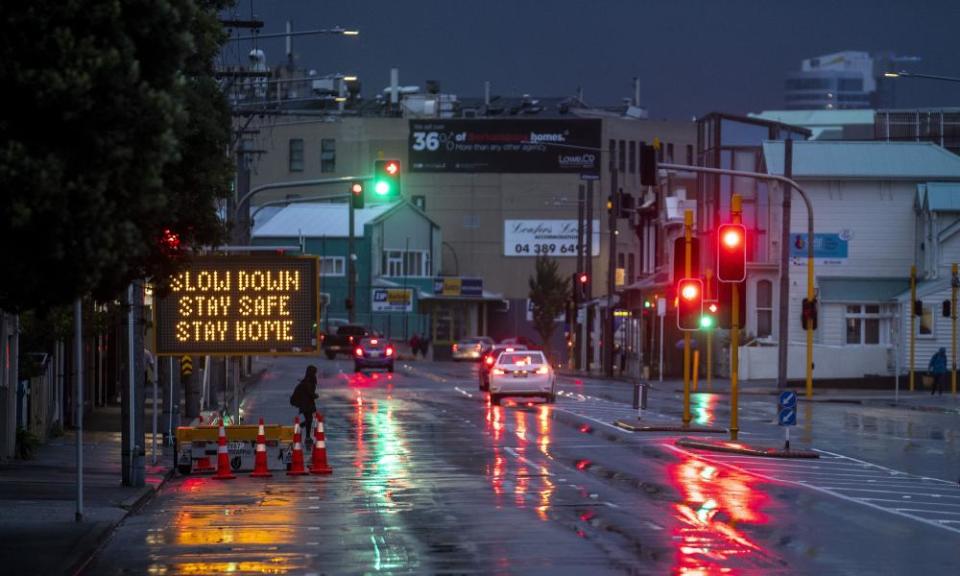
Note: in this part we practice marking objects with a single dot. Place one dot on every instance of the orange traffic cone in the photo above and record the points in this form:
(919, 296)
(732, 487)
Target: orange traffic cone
(203, 462)
(260, 458)
(223, 457)
(318, 464)
(296, 463)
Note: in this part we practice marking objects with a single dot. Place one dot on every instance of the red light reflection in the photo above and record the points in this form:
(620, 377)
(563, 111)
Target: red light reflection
(717, 503)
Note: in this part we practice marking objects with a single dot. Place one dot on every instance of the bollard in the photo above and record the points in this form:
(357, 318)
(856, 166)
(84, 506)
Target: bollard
(639, 397)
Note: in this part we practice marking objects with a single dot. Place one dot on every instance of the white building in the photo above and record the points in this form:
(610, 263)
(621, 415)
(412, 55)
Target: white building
(879, 208)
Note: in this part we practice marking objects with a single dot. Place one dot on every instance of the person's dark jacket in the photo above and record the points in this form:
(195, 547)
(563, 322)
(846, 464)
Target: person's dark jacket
(304, 396)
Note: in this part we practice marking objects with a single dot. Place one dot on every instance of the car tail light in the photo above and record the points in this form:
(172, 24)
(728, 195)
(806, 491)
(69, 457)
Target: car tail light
(454, 347)
(374, 341)
(488, 360)
(389, 351)
(498, 372)
(358, 351)
(351, 339)
(543, 370)
(509, 350)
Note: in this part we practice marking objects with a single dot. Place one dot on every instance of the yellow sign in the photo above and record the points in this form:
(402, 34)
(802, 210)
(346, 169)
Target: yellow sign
(620, 277)
(226, 305)
(451, 286)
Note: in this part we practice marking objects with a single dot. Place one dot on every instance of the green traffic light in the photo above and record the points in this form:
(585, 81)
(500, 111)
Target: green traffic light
(381, 188)
(706, 322)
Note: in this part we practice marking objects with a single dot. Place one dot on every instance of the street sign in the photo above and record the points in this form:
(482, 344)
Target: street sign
(661, 307)
(235, 305)
(787, 409)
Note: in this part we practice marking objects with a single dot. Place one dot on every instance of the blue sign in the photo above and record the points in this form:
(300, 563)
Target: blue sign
(787, 409)
(826, 246)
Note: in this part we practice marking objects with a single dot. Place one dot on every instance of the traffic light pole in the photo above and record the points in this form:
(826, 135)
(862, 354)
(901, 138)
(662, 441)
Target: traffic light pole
(687, 268)
(736, 212)
(785, 237)
(954, 284)
(708, 273)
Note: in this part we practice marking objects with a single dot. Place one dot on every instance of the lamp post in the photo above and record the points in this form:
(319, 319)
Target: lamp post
(905, 74)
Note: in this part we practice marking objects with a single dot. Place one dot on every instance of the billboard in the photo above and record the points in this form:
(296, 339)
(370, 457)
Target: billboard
(545, 237)
(234, 305)
(505, 146)
(391, 300)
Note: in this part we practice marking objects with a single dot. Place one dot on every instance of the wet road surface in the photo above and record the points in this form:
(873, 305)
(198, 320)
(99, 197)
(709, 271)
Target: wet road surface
(430, 478)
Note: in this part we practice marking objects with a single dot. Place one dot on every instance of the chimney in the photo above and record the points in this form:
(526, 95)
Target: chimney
(636, 92)
(486, 93)
(289, 45)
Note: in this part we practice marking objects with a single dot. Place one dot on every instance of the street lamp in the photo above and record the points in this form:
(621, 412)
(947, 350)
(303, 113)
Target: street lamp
(905, 74)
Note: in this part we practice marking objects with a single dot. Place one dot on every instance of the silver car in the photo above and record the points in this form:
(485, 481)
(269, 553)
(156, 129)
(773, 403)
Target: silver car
(471, 348)
(522, 373)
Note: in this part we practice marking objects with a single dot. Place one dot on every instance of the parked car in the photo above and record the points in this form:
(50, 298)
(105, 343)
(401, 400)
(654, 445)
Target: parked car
(486, 363)
(344, 340)
(471, 348)
(374, 353)
(522, 373)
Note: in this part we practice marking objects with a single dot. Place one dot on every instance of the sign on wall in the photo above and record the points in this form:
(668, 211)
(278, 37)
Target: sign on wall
(226, 305)
(391, 300)
(507, 146)
(546, 237)
(457, 286)
(827, 248)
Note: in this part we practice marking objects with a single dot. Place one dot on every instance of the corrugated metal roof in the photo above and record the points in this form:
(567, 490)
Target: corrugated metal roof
(887, 160)
(315, 220)
(942, 196)
(866, 290)
(818, 118)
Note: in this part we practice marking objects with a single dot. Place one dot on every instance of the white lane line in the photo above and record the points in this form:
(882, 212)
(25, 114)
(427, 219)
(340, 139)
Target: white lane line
(928, 511)
(873, 483)
(915, 502)
(881, 467)
(530, 463)
(617, 428)
(852, 489)
(819, 489)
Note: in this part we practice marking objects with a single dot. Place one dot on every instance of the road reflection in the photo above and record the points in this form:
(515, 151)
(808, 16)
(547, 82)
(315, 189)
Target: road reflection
(704, 409)
(512, 467)
(717, 504)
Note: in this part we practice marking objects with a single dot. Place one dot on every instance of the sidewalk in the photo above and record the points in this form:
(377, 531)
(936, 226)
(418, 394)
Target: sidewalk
(38, 532)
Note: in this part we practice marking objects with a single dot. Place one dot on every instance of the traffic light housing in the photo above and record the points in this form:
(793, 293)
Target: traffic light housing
(917, 308)
(689, 303)
(946, 309)
(386, 180)
(725, 305)
(809, 312)
(731, 253)
(648, 165)
(708, 321)
(580, 286)
(356, 195)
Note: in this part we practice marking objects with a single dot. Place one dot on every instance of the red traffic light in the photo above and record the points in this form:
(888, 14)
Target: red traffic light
(392, 167)
(712, 308)
(689, 303)
(582, 278)
(356, 189)
(170, 240)
(731, 253)
(689, 291)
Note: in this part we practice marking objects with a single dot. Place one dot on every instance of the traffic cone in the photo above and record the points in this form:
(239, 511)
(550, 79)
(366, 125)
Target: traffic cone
(296, 463)
(223, 457)
(203, 462)
(318, 463)
(260, 458)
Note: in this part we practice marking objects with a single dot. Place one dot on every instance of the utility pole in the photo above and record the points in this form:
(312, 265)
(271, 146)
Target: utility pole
(588, 267)
(611, 275)
(954, 284)
(351, 271)
(581, 230)
(736, 210)
(913, 319)
(783, 325)
(687, 269)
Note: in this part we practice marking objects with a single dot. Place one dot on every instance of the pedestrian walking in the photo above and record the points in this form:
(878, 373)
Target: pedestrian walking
(304, 398)
(938, 368)
(415, 344)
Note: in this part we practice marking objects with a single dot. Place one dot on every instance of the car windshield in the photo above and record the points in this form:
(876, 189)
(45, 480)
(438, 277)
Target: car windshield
(532, 358)
(374, 343)
(351, 330)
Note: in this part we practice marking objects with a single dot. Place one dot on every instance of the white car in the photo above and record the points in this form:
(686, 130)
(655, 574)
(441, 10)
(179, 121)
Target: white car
(522, 373)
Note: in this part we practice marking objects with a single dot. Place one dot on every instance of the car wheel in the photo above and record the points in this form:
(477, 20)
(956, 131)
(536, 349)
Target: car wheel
(495, 399)
(184, 469)
(550, 398)
(357, 369)
(331, 355)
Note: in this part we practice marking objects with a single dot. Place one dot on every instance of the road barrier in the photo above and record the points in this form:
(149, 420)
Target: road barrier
(318, 464)
(195, 445)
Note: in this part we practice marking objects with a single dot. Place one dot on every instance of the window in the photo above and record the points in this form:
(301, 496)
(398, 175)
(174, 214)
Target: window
(412, 263)
(328, 155)
(296, 154)
(633, 156)
(670, 152)
(612, 154)
(630, 275)
(689, 154)
(863, 324)
(764, 308)
(332, 266)
(622, 164)
(926, 324)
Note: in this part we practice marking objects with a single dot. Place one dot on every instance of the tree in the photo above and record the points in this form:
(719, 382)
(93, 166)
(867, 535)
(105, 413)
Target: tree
(115, 133)
(549, 294)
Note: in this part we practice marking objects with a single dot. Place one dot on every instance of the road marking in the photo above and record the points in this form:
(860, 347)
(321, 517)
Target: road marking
(891, 470)
(513, 453)
(825, 490)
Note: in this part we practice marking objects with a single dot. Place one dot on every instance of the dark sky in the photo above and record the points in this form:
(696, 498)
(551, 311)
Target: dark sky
(692, 56)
